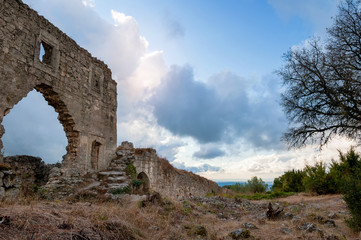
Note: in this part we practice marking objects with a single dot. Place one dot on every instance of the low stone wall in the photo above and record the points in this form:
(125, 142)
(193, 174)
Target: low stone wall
(170, 181)
(22, 173)
(162, 177)
(9, 183)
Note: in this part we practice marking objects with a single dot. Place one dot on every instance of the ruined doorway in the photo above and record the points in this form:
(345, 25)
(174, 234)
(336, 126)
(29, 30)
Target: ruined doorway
(95, 155)
(144, 187)
(32, 128)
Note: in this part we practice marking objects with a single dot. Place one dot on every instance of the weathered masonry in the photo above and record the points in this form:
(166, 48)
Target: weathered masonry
(157, 174)
(34, 54)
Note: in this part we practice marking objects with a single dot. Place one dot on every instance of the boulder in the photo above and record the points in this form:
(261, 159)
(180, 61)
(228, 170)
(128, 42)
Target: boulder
(241, 233)
(249, 226)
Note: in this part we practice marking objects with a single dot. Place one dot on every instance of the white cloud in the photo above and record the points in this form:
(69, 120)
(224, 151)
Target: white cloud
(121, 18)
(90, 3)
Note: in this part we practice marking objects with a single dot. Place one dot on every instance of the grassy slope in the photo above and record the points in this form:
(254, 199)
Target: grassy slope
(173, 220)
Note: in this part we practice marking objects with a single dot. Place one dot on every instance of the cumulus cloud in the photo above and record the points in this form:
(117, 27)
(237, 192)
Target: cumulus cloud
(197, 169)
(226, 108)
(209, 151)
(256, 168)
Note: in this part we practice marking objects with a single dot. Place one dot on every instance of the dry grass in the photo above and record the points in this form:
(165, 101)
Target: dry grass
(5, 166)
(170, 220)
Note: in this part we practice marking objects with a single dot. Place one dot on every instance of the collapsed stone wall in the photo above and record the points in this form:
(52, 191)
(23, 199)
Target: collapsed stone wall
(162, 177)
(22, 173)
(77, 85)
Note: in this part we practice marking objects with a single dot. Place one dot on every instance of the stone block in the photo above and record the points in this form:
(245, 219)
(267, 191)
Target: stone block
(12, 193)
(2, 193)
(7, 180)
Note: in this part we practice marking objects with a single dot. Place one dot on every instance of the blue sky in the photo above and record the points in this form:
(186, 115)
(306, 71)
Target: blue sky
(196, 80)
(213, 36)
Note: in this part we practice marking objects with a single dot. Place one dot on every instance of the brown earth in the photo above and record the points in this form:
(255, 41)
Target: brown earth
(196, 218)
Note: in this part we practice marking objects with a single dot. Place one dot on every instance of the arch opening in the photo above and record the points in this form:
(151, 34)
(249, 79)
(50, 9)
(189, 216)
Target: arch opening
(144, 187)
(60, 140)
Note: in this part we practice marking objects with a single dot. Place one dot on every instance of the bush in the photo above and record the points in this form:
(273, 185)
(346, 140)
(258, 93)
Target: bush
(136, 182)
(131, 171)
(317, 180)
(290, 181)
(347, 179)
(125, 189)
(239, 187)
(257, 185)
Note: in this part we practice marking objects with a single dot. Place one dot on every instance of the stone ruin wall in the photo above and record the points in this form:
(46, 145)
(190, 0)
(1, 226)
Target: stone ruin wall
(82, 92)
(164, 178)
(21, 175)
(78, 86)
(170, 181)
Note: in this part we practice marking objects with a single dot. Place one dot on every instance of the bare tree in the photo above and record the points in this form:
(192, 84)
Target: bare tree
(323, 83)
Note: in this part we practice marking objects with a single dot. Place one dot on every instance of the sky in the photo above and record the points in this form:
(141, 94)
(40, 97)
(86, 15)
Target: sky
(196, 81)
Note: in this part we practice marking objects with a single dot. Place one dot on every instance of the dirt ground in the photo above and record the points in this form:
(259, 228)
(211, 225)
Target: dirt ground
(303, 217)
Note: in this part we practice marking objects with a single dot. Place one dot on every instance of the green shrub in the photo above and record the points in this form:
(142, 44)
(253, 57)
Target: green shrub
(257, 185)
(347, 178)
(131, 171)
(239, 187)
(316, 179)
(290, 181)
(125, 189)
(277, 184)
(136, 182)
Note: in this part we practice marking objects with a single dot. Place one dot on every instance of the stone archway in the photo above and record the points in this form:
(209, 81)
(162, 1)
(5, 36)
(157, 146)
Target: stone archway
(64, 118)
(145, 186)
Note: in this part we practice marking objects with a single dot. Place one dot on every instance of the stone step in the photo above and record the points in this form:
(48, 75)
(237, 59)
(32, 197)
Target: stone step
(121, 164)
(111, 173)
(91, 185)
(115, 179)
(117, 168)
(112, 186)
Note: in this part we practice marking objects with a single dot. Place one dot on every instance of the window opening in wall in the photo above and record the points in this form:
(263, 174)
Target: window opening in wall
(96, 82)
(32, 128)
(46, 53)
(95, 155)
(96, 85)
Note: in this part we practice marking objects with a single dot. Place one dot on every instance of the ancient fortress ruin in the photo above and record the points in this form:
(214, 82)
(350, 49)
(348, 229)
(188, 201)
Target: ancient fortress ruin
(77, 85)
(34, 54)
